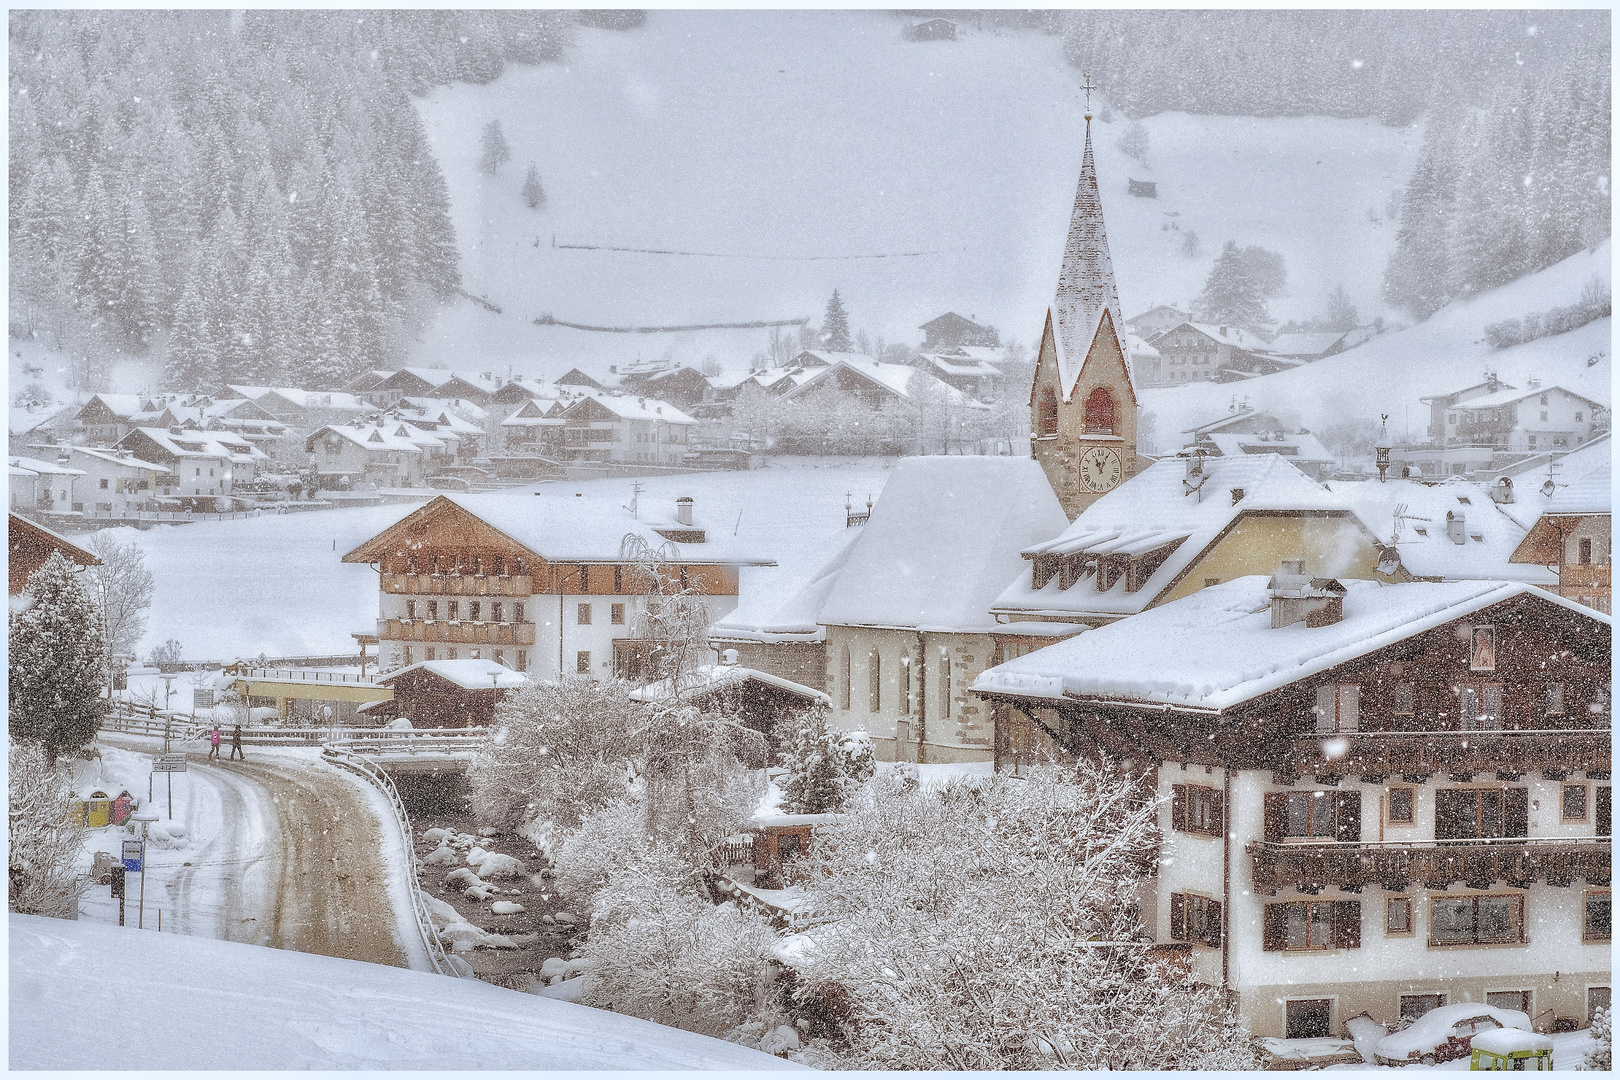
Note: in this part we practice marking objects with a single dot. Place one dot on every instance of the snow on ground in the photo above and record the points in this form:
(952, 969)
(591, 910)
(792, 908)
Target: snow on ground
(731, 132)
(1569, 1053)
(85, 996)
(276, 585)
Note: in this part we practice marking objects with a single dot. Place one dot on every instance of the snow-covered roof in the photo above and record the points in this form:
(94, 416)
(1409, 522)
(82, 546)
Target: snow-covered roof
(1589, 493)
(371, 437)
(1152, 509)
(796, 618)
(902, 380)
(1085, 289)
(460, 408)
(196, 443)
(1235, 336)
(1426, 548)
(1304, 344)
(1216, 648)
(961, 365)
(711, 677)
(43, 468)
(306, 399)
(630, 407)
(116, 458)
(467, 674)
(941, 542)
(1509, 1040)
(24, 420)
(120, 405)
(1139, 349)
(1510, 396)
(1299, 446)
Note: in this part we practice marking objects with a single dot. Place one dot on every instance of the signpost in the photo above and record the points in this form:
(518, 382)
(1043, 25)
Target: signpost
(171, 764)
(118, 890)
(145, 815)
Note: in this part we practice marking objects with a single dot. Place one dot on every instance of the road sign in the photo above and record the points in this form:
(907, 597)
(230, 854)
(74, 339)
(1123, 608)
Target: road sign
(170, 763)
(134, 850)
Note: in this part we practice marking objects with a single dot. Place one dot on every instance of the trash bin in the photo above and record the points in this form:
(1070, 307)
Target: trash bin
(94, 812)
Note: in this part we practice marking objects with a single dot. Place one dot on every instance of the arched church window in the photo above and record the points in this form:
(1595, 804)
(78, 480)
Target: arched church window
(1099, 415)
(1046, 412)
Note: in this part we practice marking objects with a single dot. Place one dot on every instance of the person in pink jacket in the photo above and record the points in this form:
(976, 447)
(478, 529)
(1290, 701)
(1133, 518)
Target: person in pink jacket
(213, 743)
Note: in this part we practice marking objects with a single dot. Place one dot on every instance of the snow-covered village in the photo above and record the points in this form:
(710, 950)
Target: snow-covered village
(853, 540)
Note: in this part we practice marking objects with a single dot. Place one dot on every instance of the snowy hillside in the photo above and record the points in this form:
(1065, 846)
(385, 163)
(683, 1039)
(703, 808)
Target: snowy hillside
(687, 135)
(85, 996)
(1390, 373)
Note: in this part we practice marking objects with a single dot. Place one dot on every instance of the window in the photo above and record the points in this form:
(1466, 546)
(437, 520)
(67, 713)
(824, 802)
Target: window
(473, 608)
(1585, 557)
(616, 614)
(496, 611)
(1398, 916)
(1479, 706)
(874, 677)
(433, 610)
(429, 652)
(1597, 997)
(523, 660)
(787, 845)
(1196, 809)
(1603, 810)
(618, 579)
(517, 612)
(1338, 707)
(944, 683)
(1481, 813)
(1196, 919)
(1099, 414)
(1300, 926)
(410, 609)
(1553, 696)
(584, 579)
(1543, 401)
(455, 610)
(1402, 802)
(104, 483)
(1577, 416)
(1543, 414)
(582, 663)
(1404, 697)
(1476, 920)
(583, 615)
(1574, 802)
(497, 564)
(451, 652)
(408, 660)
(1414, 1006)
(1319, 815)
(1046, 412)
(1482, 657)
(843, 677)
(1517, 1000)
(1309, 1019)
(1451, 418)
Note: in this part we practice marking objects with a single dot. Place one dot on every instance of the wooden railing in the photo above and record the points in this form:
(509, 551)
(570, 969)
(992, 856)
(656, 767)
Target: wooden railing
(1475, 863)
(467, 633)
(459, 584)
(303, 675)
(1427, 753)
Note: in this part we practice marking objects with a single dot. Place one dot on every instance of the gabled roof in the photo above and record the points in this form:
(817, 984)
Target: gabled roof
(370, 437)
(576, 377)
(764, 616)
(941, 542)
(43, 468)
(901, 380)
(627, 407)
(122, 406)
(22, 531)
(1235, 336)
(557, 528)
(1420, 536)
(1486, 386)
(460, 408)
(533, 414)
(1085, 288)
(961, 365)
(1298, 446)
(112, 456)
(1586, 496)
(1154, 509)
(1216, 648)
(951, 321)
(467, 674)
(1155, 310)
(25, 420)
(198, 443)
(1511, 396)
(1304, 344)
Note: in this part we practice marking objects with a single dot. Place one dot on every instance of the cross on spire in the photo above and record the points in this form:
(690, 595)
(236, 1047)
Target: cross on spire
(1088, 87)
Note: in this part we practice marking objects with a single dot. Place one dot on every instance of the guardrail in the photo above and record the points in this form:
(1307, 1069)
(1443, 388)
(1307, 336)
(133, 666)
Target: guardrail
(442, 962)
(307, 675)
(435, 741)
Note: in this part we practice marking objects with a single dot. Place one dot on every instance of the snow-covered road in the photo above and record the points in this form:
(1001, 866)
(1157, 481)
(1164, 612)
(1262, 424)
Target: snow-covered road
(281, 850)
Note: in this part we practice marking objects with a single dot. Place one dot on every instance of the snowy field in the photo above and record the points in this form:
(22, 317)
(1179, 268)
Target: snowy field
(87, 997)
(275, 585)
(728, 132)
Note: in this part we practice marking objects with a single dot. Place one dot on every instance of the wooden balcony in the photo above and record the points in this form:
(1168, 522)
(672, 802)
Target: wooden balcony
(1477, 864)
(459, 584)
(456, 633)
(1420, 754)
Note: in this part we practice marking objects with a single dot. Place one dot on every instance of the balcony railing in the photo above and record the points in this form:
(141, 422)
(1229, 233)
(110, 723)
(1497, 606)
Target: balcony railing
(1421, 754)
(1478, 864)
(459, 584)
(456, 633)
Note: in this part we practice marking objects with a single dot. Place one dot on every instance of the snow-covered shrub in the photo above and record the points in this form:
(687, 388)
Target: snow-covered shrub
(57, 661)
(558, 752)
(661, 951)
(607, 840)
(823, 766)
(968, 925)
(44, 839)
(1600, 1055)
(698, 787)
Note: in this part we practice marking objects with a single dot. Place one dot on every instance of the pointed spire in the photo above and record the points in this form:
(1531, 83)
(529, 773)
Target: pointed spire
(1085, 286)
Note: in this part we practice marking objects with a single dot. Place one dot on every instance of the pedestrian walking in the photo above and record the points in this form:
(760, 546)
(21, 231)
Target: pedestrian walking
(213, 742)
(236, 743)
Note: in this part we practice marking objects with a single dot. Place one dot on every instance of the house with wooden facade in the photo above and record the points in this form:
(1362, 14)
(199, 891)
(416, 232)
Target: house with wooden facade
(870, 381)
(345, 455)
(535, 428)
(1206, 352)
(1250, 431)
(447, 693)
(1571, 539)
(611, 427)
(546, 585)
(950, 331)
(1376, 798)
(969, 368)
(30, 544)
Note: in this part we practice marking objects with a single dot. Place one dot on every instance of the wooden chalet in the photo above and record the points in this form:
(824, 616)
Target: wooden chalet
(1573, 535)
(30, 545)
(447, 693)
(951, 331)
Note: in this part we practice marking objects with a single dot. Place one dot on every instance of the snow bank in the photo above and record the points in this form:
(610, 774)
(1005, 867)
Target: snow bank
(231, 1006)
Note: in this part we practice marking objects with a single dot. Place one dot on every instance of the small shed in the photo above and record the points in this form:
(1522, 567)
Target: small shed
(758, 698)
(1144, 189)
(932, 30)
(784, 836)
(447, 693)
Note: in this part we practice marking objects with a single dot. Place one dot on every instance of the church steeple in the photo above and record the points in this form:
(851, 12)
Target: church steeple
(1085, 288)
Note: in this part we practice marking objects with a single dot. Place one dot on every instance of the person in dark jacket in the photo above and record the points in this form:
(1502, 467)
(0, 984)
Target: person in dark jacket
(236, 743)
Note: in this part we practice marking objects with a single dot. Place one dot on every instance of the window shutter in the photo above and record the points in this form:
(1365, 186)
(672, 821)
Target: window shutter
(1276, 928)
(1326, 698)
(1603, 809)
(1347, 924)
(1178, 917)
(1349, 706)
(1217, 803)
(1449, 812)
(1178, 808)
(1276, 816)
(1347, 815)
(1212, 925)
(1516, 812)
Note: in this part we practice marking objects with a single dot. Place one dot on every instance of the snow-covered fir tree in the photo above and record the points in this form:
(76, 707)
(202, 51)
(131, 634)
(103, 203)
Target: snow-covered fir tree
(534, 195)
(1233, 295)
(835, 326)
(823, 766)
(57, 661)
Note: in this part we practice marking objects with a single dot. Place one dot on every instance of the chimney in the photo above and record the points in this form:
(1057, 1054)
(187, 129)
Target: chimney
(613, 369)
(683, 509)
(1298, 598)
(1503, 491)
(1237, 496)
(1223, 331)
(1457, 527)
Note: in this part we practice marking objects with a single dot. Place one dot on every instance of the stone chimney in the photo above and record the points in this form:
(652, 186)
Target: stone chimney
(1457, 527)
(1503, 491)
(683, 509)
(1296, 597)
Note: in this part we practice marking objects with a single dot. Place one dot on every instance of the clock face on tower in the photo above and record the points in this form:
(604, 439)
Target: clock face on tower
(1100, 469)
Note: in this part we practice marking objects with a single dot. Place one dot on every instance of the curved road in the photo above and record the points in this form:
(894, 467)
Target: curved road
(287, 852)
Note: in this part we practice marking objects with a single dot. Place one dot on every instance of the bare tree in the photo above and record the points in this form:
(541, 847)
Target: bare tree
(121, 588)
